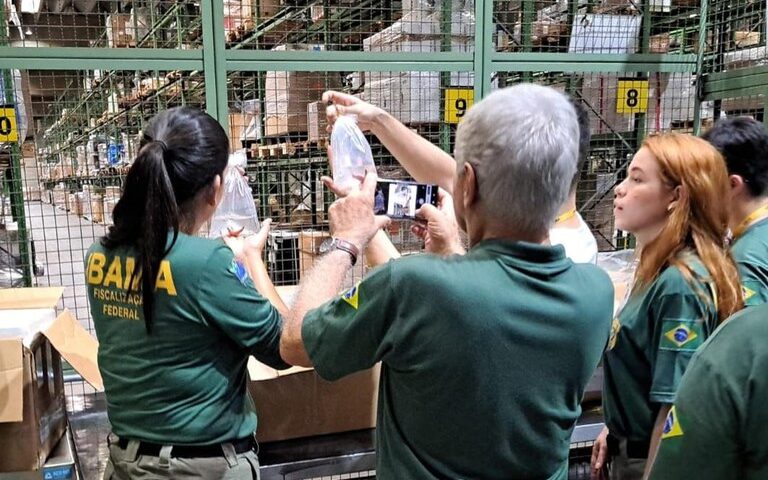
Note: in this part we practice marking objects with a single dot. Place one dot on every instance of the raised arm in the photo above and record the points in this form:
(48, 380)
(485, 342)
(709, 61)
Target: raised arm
(424, 161)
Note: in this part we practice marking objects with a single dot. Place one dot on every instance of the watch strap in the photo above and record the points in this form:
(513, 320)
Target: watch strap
(349, 247)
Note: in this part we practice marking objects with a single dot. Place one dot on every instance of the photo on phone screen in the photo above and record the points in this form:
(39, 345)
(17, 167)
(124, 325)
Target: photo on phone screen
(399, 199)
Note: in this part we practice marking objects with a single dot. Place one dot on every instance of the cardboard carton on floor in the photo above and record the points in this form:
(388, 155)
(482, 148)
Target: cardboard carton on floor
(33, 340)
(297, 403)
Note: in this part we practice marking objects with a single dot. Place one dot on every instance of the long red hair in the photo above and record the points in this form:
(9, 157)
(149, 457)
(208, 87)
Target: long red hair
(698, 221)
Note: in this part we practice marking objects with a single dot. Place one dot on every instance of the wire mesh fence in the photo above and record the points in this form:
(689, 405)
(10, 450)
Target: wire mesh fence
(601, 27)
(344, 25)
(78, 133)
(107, 24)
(736, 35)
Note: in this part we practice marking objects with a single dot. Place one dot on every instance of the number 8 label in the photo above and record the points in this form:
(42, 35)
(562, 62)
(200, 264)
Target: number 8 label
(632, 96)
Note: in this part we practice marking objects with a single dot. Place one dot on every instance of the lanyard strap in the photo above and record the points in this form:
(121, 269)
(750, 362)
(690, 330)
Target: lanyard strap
(566, 216)
(753, 217)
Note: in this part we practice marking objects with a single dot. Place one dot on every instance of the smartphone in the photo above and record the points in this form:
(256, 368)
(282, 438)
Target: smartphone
(400, 199)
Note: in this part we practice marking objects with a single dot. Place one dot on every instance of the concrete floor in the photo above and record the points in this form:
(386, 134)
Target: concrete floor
(60, 242)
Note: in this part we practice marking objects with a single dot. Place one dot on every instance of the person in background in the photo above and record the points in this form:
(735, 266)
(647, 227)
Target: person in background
(743, 142)
(718, 427)
(427, 163)
(485, 356)
(177, 316)
(674, 201)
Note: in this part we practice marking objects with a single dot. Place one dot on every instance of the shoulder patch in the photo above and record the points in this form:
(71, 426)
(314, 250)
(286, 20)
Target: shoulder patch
(672, 426)
(615, 328)
(681, 335)
(351, 296)
(239, 271)
(749, 292)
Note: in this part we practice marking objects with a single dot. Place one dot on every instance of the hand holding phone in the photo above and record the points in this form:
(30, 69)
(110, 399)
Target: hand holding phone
(401, 199)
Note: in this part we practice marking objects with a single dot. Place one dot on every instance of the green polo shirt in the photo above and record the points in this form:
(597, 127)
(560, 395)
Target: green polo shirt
(719, 426)
(750, 251)
(185, 383)
(485, 357)
(652, 340)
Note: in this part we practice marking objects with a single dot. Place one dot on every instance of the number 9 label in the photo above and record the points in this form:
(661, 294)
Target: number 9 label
(457, 102)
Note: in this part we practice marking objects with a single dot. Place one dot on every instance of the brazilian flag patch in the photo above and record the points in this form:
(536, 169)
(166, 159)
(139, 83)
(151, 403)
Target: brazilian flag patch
(672, 426)
(239, 271)
(681, 335)
(351, 296)
(749, 293)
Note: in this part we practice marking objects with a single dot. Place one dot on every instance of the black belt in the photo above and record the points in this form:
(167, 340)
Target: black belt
(635, 448)
(191, 451)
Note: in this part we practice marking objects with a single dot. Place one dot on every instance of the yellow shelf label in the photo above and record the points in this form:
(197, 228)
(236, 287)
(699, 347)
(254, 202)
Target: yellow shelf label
(8, 130)
(632, 96)
(457, 102)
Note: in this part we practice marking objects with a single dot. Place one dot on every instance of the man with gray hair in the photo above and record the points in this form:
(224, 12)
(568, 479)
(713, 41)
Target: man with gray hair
(485, 356)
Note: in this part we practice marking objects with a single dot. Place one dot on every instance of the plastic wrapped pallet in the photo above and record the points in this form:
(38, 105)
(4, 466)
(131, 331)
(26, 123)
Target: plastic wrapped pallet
(596, 33)
(748, 57)
(411, 97)
(120, 30)
(670, 101)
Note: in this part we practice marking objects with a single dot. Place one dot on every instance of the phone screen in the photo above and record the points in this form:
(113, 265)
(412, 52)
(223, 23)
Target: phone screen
(399, 199)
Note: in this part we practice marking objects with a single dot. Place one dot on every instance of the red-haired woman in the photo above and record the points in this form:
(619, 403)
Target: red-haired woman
(674, 201)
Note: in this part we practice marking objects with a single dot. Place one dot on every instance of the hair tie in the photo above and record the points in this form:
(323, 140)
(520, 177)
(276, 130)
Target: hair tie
(162, 145)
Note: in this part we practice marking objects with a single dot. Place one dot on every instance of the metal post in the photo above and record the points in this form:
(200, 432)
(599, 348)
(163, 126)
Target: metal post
(445, 77)
(16, 188)
(700, 66)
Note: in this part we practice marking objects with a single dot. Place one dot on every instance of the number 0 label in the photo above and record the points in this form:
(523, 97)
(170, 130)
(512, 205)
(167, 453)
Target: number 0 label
(632, 96)
(457, 102)
(8, 131)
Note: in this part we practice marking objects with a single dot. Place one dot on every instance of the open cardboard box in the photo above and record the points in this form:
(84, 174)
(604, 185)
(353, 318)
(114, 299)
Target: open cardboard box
(33, 339)
(297, 403)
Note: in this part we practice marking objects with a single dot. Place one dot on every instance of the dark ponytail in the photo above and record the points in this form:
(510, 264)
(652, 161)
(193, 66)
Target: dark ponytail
(181, 152)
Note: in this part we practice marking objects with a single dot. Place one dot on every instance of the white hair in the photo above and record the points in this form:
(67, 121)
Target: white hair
(523, 142)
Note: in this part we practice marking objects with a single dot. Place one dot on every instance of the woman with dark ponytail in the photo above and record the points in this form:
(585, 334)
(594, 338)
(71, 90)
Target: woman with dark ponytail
(177, 316)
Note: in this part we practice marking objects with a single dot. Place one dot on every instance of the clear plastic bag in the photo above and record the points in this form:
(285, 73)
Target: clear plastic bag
(351, 153)
(620, 266)
(237, 211)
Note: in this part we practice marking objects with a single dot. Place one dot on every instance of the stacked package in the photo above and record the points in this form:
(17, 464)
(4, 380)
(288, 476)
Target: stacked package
(287, 95)
(414, 97)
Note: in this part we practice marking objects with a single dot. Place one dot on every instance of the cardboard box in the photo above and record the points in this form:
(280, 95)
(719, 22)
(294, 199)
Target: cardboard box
(287, 95)
(95, 208)
(309, 248)
(316, 121)
(746, 39)
(297, 403)
(33, 339)
(660, 43)
(238, 123)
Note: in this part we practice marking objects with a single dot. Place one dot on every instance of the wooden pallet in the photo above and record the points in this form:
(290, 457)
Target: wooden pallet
(288, 149)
